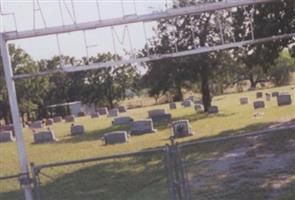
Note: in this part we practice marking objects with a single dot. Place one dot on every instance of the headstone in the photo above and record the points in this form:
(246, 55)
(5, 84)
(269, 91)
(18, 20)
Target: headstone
(244, 100)
(8, 127)
(116, 137)
(181, 128)
(284, 99)
(199, 107)
(191, 98)
(258, 104)
(267, 96)
(122, 109)
(259, 95)
(81, 114)
(37, 124)
(172, 106)
(213, 110)
(44, 137)
(102, 110)
(142, 126)
(275, 94)
(187, 103)
(70, 118)
(6, 136)
(49, 122)
(95, 115)
(57, 119)
(77, 130)
(122, 121)
(113, 113)
(158, 115)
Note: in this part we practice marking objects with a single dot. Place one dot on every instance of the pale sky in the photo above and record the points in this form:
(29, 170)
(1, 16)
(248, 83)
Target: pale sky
(85, 10)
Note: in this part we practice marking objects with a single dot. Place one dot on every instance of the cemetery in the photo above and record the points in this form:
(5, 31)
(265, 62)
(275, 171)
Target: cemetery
(164, 100)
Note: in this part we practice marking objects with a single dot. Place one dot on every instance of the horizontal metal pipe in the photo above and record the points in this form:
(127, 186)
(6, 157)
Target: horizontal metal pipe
(170, 13)
(156, 57)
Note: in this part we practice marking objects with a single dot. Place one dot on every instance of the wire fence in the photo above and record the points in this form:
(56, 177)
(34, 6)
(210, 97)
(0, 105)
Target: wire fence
(259, 165)
(254, 166)
(138, 175)
(10, 187)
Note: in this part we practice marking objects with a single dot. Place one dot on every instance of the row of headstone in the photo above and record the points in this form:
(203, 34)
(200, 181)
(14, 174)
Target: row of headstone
(282, 99)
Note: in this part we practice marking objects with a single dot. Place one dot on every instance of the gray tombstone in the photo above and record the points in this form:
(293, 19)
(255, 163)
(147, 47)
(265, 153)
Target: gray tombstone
(49, 122)
(187, 103)
(116, 137)
(122, 121)
(158, 115)
(103, 111)
(113, 113)
(199, 107)
(57, 119)
(267, 96)
(244, 100)
(77, 130)
(284, 99)
(172, 106)
(37, 124)
(44, 137)
(259, 95)
(142, 127)
(6, 136)
(122, 109)
(258, 104)
(275, 94)
(95, 115)
(213, 110)
(70, 118)
(181, 128)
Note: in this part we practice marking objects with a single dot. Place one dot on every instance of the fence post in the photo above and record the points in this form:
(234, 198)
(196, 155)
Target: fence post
(176, 177)
(36, 181)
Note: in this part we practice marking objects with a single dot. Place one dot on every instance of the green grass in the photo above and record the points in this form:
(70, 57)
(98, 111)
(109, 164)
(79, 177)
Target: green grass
(103, 178)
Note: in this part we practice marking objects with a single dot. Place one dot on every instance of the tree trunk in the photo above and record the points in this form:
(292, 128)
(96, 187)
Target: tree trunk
(205, 87)
(179, 92)
(253, 83)
(111, 104)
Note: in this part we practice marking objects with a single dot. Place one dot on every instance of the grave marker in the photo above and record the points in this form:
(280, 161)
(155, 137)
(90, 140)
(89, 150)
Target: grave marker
(122, 121)
(6, 136)
(142, 127)
(116, 137)
(158, 115)
(77, 130)
(258, 104)
(284, 99)
(181, 128)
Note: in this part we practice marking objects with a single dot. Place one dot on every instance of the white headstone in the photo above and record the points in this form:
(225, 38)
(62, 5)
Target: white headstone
(213, 110)
(37, 124)
(77, 130)
(284, 99)
(6, 136)
(44, 137)
(258, 104)
(122, 121)
(142, 126)
(102, 110)
(113, 113)
(181, 128)
(116, 137)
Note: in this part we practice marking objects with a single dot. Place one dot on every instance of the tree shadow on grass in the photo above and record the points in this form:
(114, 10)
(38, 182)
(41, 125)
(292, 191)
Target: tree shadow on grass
(129, 179)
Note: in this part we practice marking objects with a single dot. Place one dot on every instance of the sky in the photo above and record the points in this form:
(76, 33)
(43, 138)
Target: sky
(98, 40)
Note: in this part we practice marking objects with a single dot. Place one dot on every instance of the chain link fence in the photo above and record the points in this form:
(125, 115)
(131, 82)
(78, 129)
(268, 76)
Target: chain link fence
(10, 187)
(256, 166)
(140, 175)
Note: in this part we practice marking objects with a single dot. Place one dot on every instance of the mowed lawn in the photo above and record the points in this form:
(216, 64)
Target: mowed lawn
(131, 178)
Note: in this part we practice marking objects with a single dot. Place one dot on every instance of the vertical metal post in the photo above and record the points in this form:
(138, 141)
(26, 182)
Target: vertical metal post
(26, 185)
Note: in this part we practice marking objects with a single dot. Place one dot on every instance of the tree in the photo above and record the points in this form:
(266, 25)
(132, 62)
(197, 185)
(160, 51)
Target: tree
(269, 19)
(108, 85)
